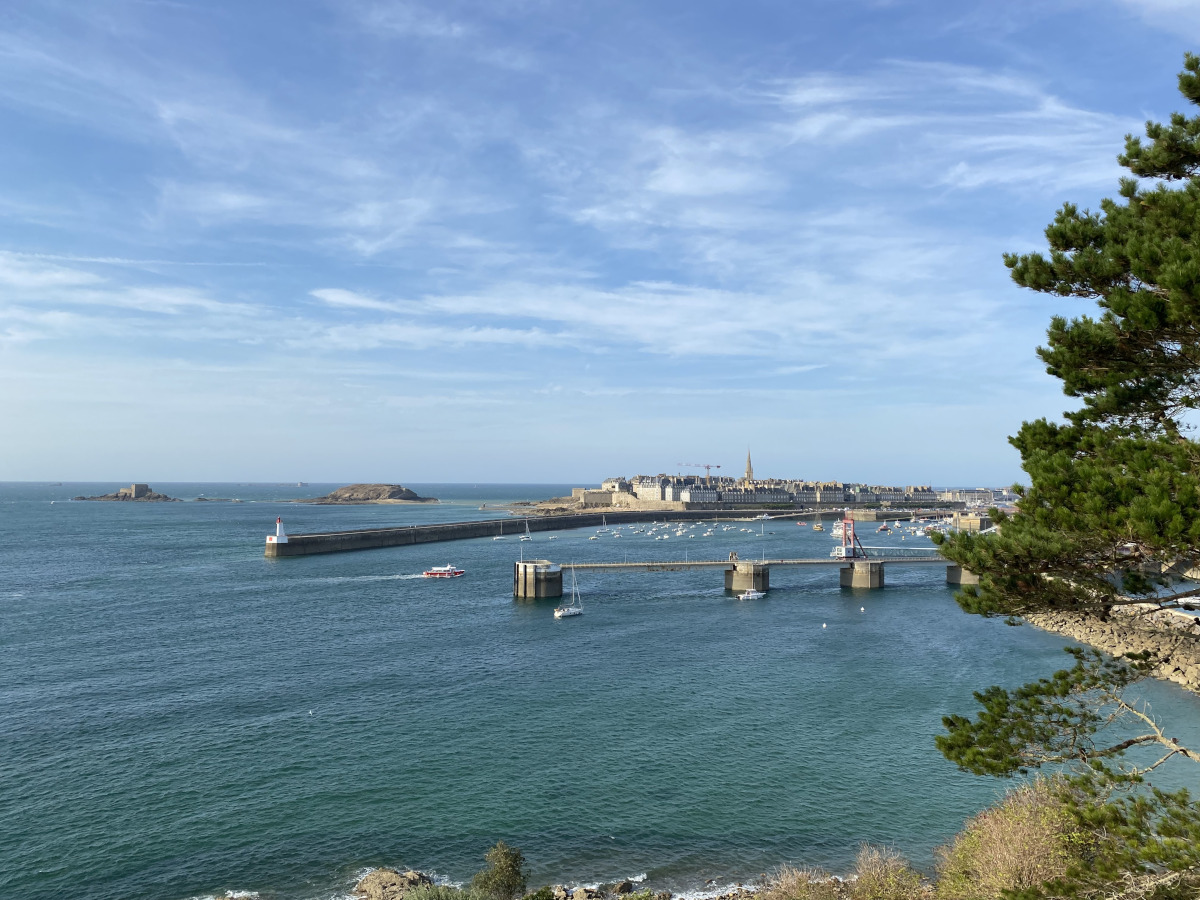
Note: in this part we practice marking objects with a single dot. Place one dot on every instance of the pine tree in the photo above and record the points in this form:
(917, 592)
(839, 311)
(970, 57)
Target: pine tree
(1111, 511)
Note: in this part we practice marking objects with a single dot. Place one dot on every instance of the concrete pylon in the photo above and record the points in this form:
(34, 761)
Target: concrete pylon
(745, 575)
(862, 574)
(959, 575)
(534, 579)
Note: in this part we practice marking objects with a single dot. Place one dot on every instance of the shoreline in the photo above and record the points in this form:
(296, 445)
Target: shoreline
(390, 883)
(1174, 636)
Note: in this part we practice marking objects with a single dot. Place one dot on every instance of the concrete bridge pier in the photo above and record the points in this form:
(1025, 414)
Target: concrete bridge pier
(534, 579)
(959, 575)
(862, 574)
(745, 575)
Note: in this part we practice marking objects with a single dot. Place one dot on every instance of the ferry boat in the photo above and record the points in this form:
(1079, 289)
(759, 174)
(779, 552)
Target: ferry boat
(446, 571)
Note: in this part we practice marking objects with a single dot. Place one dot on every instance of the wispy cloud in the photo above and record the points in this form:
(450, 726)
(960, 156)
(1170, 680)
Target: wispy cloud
(514, 195)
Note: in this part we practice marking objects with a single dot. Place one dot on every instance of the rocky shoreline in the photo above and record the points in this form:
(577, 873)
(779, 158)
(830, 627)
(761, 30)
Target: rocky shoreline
(391, 884)
(1172, 636)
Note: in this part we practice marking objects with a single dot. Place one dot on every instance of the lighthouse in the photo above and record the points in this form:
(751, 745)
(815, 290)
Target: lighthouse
(280, 536)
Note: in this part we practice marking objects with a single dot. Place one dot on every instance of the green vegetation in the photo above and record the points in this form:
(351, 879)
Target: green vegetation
(1112, 507)
(437, 892)
(504, 877)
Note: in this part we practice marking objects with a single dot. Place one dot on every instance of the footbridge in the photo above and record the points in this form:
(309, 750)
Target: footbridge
(536, 578)
(861, 567)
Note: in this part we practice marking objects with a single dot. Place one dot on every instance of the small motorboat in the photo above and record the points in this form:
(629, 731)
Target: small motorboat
(751, 594)
(446, 571)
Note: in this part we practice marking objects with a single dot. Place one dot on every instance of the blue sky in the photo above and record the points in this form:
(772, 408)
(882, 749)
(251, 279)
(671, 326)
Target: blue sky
(545, 241)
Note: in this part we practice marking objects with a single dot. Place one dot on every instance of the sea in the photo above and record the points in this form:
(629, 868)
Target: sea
(181, 717)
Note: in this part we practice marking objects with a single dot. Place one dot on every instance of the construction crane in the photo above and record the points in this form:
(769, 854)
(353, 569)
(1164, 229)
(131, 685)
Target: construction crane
(705, 466)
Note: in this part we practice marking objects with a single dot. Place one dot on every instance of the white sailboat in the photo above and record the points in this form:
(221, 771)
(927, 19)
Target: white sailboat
(603, 529)
(575, 607)
(526, 536)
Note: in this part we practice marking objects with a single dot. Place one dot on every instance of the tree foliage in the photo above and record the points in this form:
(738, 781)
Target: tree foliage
(1114, 492)
(504, 878)
(1110, 516)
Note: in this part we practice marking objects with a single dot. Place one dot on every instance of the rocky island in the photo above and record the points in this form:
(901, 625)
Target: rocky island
(138, 492)
(371, 493)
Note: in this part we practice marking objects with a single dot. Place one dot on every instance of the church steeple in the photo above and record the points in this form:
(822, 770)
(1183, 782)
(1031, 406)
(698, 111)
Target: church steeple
(749, 468)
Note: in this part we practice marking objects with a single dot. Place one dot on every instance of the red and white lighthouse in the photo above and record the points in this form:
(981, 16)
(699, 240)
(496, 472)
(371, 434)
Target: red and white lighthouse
(280, 536)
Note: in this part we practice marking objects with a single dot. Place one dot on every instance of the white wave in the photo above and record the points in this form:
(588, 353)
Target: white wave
(713, 890)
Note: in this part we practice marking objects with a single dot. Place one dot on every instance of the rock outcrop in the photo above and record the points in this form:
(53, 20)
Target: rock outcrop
(389, 884)
(1173, 637)
(371, 493)
(137, 493)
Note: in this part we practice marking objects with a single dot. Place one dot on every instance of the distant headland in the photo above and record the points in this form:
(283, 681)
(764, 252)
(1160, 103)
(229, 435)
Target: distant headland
(371, 493)
(139, 492)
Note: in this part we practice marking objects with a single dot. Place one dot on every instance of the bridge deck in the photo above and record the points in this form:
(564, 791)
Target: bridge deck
(673, 565)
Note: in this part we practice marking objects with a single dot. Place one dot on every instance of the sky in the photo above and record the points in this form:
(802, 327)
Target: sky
(534, 241)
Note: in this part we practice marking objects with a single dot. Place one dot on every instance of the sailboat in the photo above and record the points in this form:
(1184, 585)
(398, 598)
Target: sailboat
(527, 536)
(603, 529)
(575, 608)
(501, 536)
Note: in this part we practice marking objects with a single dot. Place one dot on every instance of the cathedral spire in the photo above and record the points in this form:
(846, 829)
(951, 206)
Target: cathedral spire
(749, 468)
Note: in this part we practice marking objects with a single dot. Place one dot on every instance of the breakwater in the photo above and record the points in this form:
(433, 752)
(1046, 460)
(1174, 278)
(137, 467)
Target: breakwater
(400, 536)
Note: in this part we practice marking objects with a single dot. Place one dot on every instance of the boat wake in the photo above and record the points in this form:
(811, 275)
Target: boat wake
(347, 579)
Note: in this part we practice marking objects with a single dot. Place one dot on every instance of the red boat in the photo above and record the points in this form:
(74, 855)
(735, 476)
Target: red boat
(446, 571)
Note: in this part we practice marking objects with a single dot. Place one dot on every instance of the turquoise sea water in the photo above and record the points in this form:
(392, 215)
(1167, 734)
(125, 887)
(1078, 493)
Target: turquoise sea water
(180, 716)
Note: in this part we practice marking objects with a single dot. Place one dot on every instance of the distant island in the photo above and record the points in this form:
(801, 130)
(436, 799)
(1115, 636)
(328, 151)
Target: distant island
(135, 492)
(371, 493)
